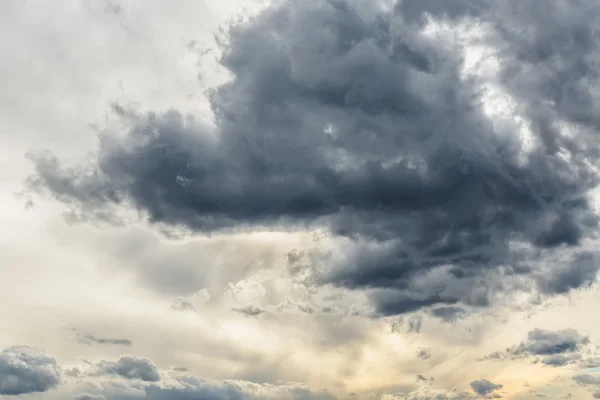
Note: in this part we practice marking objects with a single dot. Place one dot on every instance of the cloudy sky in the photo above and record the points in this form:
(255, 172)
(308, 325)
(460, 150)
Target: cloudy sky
(293, 199)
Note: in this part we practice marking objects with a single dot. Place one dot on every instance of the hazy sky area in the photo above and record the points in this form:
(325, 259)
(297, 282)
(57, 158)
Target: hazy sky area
(299, 199)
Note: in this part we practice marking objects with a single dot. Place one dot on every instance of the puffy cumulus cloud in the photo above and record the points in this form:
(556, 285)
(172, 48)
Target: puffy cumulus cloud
(130, 367)
(556, 348)
(359, 120)
(26, 370)
(485, 388)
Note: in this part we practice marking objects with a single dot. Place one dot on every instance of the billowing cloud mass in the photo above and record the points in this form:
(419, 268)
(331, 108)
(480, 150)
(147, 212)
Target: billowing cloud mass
(360, 119)
(313, 200)
(25, 370)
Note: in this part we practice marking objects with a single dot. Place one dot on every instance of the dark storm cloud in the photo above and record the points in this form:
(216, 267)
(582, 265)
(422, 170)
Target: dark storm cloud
(554, 348)
(357, 121)
(130, 367)
(580, 272)
(25, 370)
(484, 387)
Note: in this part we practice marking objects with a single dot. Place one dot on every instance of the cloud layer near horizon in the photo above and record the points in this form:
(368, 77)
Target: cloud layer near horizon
(132, 377)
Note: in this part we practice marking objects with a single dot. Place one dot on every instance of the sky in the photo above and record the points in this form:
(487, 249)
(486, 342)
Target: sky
(303, 200)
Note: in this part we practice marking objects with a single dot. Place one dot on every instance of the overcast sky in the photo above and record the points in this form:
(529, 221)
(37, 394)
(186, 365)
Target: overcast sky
(294, 199)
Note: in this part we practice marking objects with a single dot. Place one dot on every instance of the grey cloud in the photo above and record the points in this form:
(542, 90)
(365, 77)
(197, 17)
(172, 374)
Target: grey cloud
(559, 360)
(189, 387)
(193, 388)
(556, 348)
(422, 379)
(563, 278)
(497, 355)
(413, 324)
(360, 123)
(448, 314)
(89, 339)
(426, 393)
(72, 371)
(423, 354)
(587, 379)
(543, 342)
(230, 390)
(87, 396)
(590, 362)
(484, 387)
(131, 367)
(182, 304)
(25, 370)
(251, 311)
(415, 10)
